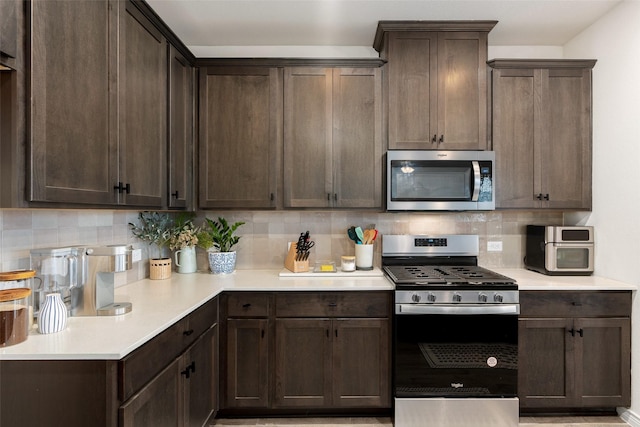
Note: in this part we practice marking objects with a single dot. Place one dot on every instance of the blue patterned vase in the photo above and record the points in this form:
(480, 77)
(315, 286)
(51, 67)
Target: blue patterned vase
(222, 262)
(53, 315)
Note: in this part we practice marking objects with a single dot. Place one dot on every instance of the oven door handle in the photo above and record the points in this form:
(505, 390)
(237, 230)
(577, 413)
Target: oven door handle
(456, 309)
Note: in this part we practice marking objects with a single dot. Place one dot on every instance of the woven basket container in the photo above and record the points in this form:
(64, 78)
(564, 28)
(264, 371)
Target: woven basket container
(159, 268)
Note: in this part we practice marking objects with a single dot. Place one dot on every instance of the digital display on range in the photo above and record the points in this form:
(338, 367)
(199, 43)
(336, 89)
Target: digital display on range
(429, 241)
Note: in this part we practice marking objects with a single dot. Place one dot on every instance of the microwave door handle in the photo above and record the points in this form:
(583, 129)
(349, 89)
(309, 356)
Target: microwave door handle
(476, 180)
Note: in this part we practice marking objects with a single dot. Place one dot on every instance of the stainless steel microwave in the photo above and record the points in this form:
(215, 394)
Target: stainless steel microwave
(560, 250)
(427, 180)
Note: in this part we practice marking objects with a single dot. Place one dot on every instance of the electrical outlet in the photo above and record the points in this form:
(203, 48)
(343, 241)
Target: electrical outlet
(494, 246)
(136, 255)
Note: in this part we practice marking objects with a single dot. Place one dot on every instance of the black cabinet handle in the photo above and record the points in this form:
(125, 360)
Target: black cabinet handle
(336, 333)
(175, 195)
(262, 333)
(329, 196)
(189, 370)
(272, 197)
(581, 332)
(434, 139)
(188, 332)
(332, 304)
(572, 332)
(441, 140)
(122, 188)
(576, 304)
(247, 305)
(335, 197)
(546, 196)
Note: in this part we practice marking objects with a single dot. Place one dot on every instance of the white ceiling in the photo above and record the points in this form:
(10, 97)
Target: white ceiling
(272, 27)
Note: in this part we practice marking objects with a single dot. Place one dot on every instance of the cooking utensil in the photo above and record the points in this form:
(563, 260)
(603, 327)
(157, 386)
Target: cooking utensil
(351, 231)
(360, 234)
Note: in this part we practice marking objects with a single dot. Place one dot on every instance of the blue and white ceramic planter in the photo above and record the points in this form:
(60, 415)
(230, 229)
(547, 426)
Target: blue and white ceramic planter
(53, 315)
(222, 262)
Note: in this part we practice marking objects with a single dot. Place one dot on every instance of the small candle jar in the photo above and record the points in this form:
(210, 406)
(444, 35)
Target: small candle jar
(348, 263)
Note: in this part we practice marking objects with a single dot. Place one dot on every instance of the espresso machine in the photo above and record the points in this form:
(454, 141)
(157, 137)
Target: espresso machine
(103, 262)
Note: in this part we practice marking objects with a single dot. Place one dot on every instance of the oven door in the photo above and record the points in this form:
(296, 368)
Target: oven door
(456, 351)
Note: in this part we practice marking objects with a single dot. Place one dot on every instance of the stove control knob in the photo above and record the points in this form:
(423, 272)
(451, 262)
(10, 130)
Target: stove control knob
(457, 297)
(482, 297)
(431, 297)
(416, 298)
(497, 298)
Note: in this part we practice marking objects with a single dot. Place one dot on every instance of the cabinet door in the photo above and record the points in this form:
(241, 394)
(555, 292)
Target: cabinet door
(247, 363)
(303, 363)
(181, 125)
(200, 379)
(514, 137)
(9, 27)
(158, 403)
(357, 138)
(73, 102)
(413, 90)
(143, 113)
(308, 157)
(462, 91)
(240, 137)
(361, 363)
(546, 368)
(565, 170)
(603, 355)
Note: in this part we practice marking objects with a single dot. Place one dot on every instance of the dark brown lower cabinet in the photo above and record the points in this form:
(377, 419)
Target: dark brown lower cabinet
(171, 380)
(307, 352)
(332, 363)
(574, 350)
(247, 363)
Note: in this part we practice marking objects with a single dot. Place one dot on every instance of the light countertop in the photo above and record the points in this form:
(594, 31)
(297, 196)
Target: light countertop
(533, 281)
(157, 304)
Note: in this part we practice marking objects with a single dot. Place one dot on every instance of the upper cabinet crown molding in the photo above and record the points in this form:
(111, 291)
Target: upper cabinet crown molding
(289, 62)
(387, 26)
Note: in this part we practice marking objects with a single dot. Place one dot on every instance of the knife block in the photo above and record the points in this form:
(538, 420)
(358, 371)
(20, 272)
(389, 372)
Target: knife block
(290, 262)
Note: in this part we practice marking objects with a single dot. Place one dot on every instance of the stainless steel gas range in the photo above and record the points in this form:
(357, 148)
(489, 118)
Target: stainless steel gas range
(455, 334)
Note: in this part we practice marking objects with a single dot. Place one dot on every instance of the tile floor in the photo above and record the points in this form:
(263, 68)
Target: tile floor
(603, 421)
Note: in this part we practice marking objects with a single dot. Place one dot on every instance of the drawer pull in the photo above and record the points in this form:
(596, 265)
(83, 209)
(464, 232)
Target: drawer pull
(576, 304)
(333, 304)
(247, 305)
(188, 332)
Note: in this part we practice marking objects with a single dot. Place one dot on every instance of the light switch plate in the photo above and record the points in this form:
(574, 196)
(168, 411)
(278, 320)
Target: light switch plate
(136, 255)
(495, 246)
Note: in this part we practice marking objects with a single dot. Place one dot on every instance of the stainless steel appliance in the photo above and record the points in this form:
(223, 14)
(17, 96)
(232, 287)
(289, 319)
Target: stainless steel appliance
(560, 250)
(428, 180)
(455, 334)
(98, 292)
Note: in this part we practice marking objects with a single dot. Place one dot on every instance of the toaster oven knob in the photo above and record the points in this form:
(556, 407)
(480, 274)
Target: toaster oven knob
(457, 297)
(482, 297)
(497, 298)
(431, 297)
(416, 298)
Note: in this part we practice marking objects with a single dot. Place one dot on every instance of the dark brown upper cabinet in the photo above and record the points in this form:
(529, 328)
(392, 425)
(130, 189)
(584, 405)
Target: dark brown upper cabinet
(98, 107)
(541, 133)
(435, 83)
(181, 130)
(240, 136)
(332, 137)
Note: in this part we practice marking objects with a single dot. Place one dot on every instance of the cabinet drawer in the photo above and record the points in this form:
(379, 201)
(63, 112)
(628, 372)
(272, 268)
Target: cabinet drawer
(333, 304)
(247, 304)
(575, 304)
(201, 320)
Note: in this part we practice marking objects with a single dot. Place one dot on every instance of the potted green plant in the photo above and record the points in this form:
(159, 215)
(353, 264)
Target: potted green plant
(218, 238)
(155, 229)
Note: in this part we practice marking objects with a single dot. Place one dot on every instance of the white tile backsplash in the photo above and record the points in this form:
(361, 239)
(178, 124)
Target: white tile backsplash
(266, 233)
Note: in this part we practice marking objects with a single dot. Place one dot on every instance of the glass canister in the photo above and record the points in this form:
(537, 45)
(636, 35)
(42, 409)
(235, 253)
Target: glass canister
(15, 315)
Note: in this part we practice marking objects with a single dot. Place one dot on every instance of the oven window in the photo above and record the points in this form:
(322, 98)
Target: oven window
(456, 356)
(431, 180)
(572, 258)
